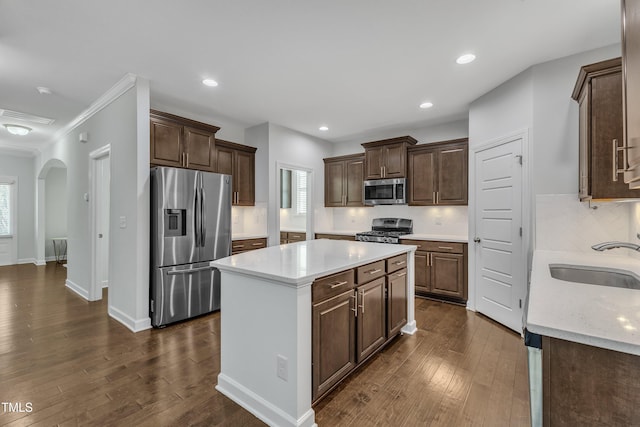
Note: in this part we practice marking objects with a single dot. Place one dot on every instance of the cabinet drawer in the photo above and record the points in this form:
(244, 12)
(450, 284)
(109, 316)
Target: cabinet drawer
(396, 263)
(447, 247)
(247, 245)
(368, 272)
(296, 237)
(283, 235)
(330, 286)
(419, 243)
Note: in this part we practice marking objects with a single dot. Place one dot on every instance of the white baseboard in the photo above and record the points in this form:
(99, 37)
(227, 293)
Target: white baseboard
(27, 261)
(77, 289)
(409, 328)
(105, 284)
(265, 411)
(128, 321)
(40, 262)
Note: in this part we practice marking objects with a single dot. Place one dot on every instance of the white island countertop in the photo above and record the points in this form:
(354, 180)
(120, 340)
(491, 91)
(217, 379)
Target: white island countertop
(301, 263)
(600, 316)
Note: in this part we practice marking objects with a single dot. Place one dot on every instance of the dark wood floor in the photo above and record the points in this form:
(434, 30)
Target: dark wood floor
(76, 366)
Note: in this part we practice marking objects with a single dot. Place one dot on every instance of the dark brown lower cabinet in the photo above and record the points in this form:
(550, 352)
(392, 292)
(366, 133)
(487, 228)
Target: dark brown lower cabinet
(588, 386)
(334, 341)
(396, 302)
(371, 318)
(447, 275)
(352, 321)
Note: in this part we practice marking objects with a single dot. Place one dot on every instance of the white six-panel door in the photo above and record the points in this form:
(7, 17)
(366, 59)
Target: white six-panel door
(500, 264)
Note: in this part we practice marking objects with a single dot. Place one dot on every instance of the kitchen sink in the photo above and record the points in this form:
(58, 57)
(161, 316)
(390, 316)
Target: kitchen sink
(595, 276)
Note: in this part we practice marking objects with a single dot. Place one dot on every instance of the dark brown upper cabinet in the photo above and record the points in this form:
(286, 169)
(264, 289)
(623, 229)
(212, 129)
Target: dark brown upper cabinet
(438, 173)
(343, 180)
(387, 158)
(238, 161)
(182, 143)
(598, 92)
(631, 90)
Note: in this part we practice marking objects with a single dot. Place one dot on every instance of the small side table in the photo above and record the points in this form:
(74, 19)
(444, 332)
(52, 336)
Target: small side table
(60, 249)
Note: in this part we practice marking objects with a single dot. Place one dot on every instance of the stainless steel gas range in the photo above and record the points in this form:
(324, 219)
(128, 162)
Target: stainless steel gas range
(387, 230)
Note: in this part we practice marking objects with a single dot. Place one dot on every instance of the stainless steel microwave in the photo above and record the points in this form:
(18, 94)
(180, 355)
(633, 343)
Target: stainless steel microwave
(385, 192)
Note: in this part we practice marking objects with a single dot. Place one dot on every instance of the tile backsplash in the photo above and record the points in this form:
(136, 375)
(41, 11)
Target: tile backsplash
(563, 223)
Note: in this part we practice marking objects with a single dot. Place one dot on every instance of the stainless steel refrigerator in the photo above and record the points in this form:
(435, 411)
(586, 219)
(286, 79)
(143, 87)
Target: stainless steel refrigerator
(190, 227)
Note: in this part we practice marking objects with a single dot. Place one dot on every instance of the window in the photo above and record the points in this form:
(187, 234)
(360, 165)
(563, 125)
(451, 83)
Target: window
(5, 209)
(300, 178)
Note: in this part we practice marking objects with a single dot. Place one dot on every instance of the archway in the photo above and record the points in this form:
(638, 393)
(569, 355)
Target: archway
(51, 207)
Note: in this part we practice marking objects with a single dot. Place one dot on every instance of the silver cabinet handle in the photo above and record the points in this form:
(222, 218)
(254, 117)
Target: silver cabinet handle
(362, 299)
(191, 271)
(338, 284)
(238, 246)
(434, 198)
(377, 270)
(616, 150)
(445, 248)
(187, 161)
(399, 263)
(355, 304)
(183, 161)
(401, 274)
(257, 244)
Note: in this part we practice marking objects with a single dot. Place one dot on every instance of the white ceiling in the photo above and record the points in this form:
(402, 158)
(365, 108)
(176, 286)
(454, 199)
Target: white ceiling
(354, 65)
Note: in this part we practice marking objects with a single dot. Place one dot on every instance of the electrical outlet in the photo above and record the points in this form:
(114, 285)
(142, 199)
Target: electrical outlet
(282, 367)
(123, 222)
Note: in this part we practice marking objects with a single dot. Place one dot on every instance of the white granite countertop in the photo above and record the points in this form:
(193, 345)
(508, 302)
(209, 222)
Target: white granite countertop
(436, 237)
(302, 262)
(600, 316)
(243, 236)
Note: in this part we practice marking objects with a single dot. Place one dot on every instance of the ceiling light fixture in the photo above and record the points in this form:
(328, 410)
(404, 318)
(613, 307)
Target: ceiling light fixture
(466, 58)
(43, 90)
(210, 82)
(426, 105)
(18, 130)
(323, 128)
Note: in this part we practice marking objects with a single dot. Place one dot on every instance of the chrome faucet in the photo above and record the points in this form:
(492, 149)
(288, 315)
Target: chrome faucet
(612, 245)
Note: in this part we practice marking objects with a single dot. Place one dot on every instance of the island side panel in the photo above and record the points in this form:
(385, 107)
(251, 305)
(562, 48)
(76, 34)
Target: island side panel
(411, 328)
(261, 320)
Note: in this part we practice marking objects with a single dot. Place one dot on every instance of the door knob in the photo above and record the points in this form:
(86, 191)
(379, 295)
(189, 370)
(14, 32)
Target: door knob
(100, 236)
(477, 240)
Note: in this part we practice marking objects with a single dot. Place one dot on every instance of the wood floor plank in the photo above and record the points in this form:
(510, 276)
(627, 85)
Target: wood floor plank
(79, 367)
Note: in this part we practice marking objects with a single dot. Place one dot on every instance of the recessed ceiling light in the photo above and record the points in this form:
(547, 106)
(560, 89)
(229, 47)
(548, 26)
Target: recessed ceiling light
(210, 82)
(426, 105)
(43, 90)
(466, 58)
(323, 128)
(18, 130)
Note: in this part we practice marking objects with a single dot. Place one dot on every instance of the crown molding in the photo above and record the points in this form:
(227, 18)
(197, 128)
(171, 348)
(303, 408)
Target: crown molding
(124, 84)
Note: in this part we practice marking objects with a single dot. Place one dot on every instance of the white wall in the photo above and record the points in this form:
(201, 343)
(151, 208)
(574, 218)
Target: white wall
(424, 135)
(124, 124)
(55, 208)
(22, 166)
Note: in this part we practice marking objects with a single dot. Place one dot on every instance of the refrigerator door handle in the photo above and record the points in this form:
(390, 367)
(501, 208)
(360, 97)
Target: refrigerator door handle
(196, 217)
(189, 271)
(203, 218)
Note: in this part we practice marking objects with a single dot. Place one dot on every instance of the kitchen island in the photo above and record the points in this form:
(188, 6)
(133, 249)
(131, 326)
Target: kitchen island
(266, 321)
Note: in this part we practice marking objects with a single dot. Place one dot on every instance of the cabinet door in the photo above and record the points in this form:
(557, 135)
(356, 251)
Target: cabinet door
(373, 161)
(166, 143)
(447, 274)
(334, 344)
(199, 149)
(394, 161)
(224, 160)
(452, 176)
(371, 321)
(334, 176)
(353, 182)
(244, 178)
(422, 174)
(606, 125)
(422, 276)
(396, 302)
